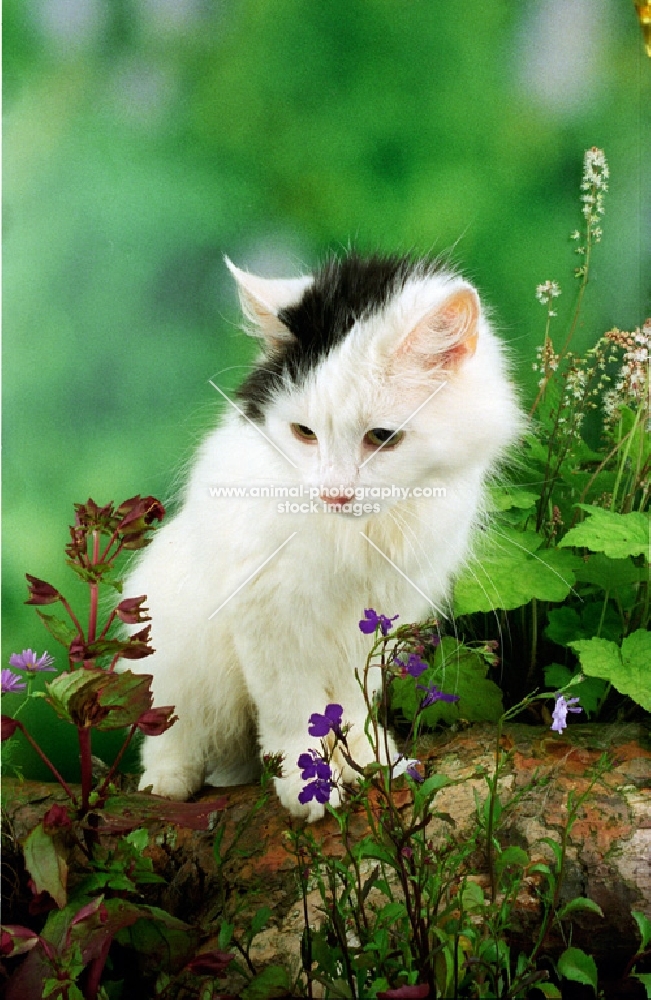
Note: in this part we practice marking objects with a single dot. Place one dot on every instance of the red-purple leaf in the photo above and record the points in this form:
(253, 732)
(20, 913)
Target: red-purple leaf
(126, 812)
(132, 610)
(41, 592)
(16, 940)
(157, 720)
(56, 818)
(209, 963)
(9, 727)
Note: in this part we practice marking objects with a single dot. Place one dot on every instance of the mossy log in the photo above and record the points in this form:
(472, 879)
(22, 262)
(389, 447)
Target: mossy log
(609, 847)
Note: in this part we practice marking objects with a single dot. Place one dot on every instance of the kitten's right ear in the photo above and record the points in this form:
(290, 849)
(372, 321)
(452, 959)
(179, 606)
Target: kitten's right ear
(263, 298)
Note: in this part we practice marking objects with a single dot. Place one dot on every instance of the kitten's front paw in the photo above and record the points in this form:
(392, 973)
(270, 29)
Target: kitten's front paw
(288, 790)
(170, 784)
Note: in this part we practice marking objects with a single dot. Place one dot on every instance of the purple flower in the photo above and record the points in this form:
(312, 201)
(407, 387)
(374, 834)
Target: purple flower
(318, 789)
(371, 620)
(433, 694)
(561, 708)
(320, 725)
(414, 665)
(27, 660)
(414, 774)
(11, 682)
(313, 765)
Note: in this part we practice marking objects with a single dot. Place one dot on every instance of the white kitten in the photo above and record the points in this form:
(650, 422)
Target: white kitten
(255, 602)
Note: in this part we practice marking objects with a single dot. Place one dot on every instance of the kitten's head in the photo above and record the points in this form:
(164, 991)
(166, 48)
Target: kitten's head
(377, 371)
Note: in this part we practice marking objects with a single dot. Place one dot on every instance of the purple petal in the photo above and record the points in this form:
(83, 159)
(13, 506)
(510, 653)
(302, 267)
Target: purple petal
(369, 622)
(334, 714)
(11, 682)
(415, 666)
(306, 794)
(318, 725)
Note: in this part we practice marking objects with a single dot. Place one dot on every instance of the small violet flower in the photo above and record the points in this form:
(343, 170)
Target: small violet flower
(320, 725)
(433, 694)
(561, 708)
(11, 682)
(315, 767)
(371, 620)
(28, 660)
(414, 666)
(405, 765)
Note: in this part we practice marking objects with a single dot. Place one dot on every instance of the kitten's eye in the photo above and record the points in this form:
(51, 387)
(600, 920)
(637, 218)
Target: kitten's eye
(303, 433)
(381, 437)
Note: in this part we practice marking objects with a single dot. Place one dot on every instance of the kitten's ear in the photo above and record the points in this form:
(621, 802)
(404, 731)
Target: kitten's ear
(447, 335)
(263, 298)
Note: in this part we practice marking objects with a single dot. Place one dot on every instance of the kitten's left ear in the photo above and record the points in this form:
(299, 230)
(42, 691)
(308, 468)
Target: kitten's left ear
(447, 335)
(263, 298)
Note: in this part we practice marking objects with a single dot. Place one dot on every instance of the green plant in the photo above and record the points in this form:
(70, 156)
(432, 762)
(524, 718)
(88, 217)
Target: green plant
(67, 957)
(561, 575)
(403, 911)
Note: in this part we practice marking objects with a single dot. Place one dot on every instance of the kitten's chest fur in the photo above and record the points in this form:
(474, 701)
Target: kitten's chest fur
(380, 378)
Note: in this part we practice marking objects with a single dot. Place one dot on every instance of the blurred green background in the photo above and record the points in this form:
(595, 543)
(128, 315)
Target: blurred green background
(144, 139)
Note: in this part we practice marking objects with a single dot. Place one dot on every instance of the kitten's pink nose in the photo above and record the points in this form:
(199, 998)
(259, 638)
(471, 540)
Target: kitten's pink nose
(339, 499)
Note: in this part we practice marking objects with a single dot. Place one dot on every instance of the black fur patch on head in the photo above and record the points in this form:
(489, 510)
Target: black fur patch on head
(343, 291)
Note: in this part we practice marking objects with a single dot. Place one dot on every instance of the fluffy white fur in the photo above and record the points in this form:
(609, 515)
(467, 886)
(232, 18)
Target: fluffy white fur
(245, 680)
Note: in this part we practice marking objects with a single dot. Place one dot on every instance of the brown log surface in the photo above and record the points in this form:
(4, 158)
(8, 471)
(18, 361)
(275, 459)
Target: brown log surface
(609, 854)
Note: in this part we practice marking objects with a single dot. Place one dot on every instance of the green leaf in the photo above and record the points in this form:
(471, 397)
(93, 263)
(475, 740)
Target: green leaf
(580, 903)
(259, 920)
(565, 624)
(139, 839)
(58, 628)
(368, 848)
(645, 979)
(502, 498)
(557, 676)
(274, 981)
(549, 991)
(626, 669)
(508, 569)
(512, 856)
(225, 935)
(555, 847)
(472, 896)
(574, 964)
(391, 913)
(456, 669)
(46, 864)
(98, 698)
(609, 574)
(591, 691)
(432, 784)
(69, 692)
(618, 535)
(126, 696)
(644, 927)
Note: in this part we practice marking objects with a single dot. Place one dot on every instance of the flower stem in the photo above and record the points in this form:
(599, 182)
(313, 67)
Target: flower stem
(94, 593)
(95, 970)
(86, 764)
(116, 762)
(47, 761)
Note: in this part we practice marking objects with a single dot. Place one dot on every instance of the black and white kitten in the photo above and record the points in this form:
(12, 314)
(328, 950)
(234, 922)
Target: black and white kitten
(359, 446)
